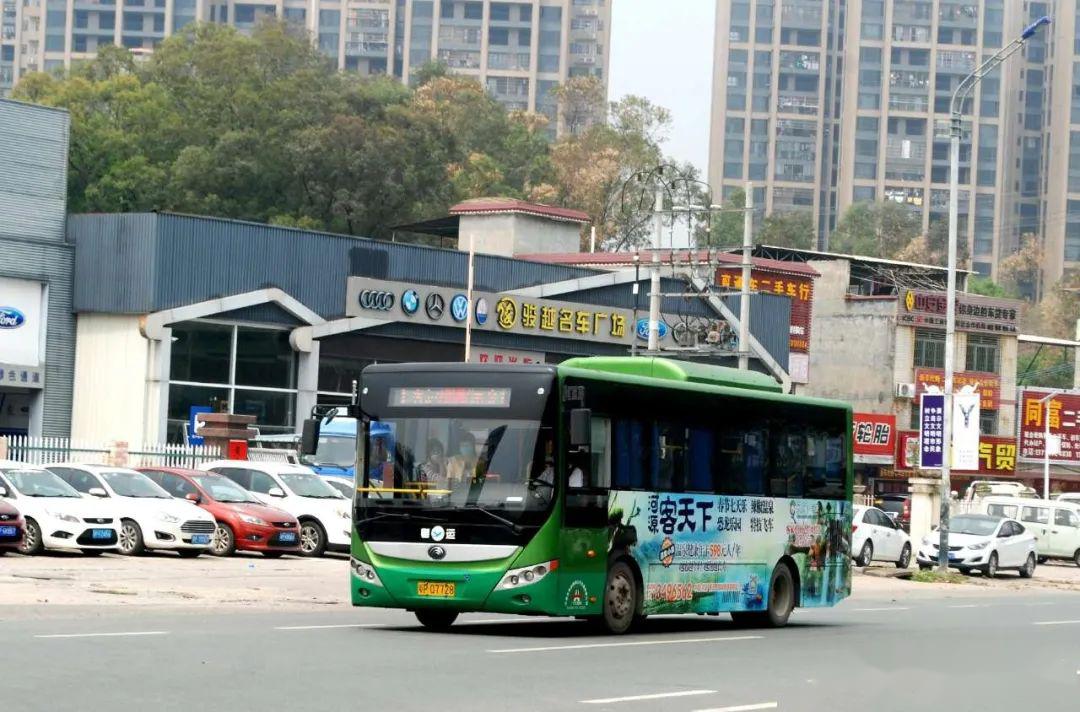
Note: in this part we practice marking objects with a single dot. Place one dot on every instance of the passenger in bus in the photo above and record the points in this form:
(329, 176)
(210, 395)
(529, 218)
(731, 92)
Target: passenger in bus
(433, 469)
(462, 466)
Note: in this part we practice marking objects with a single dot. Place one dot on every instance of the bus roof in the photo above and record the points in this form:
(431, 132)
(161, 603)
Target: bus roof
(672, 370)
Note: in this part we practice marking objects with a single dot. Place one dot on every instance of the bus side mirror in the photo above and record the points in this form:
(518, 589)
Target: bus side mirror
(580, 427)
(309, 437)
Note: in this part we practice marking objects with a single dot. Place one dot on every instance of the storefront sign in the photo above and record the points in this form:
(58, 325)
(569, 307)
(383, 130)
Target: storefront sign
(987, 384)
(1063, 412)
(931, 431)
(22, 327)
(965, 431)
(13, 376)
(874, 438)
(799, 288)
(481, 354)
(492, 312)
(997, 455)
(973, 312)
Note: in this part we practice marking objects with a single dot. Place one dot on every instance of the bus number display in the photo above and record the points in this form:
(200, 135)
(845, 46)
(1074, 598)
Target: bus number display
(450, 397)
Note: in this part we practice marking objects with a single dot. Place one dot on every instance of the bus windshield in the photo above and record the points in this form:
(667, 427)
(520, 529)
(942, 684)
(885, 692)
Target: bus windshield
(462, 463)
(335, 451)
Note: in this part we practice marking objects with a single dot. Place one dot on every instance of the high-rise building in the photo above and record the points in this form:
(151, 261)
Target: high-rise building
(519, 50)
(825, 103)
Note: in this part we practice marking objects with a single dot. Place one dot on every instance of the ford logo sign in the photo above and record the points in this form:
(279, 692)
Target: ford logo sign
(643, 330)
(11, 318)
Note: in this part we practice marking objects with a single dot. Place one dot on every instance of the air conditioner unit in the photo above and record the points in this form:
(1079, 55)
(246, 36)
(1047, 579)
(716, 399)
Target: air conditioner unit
(905, 390)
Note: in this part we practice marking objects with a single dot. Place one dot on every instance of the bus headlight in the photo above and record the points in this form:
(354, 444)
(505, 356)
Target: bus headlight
(528, 575)
(365, 572)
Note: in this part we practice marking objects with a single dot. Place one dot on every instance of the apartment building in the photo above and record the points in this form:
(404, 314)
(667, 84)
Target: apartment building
(519, 50)
(826, 103)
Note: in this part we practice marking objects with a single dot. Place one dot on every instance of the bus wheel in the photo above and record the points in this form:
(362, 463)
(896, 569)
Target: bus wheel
(620, 598)
(781, 598)
(436, 619)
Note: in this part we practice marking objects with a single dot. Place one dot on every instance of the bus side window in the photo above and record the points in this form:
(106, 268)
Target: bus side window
(788, 462)
(700, 461)
(631, 454)
(670, 457)
(741, 456)
(600, 474)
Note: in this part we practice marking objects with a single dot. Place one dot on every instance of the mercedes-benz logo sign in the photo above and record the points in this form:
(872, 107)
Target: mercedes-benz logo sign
(374, 299)
(410, 301)
(436, 552)
(435, 305)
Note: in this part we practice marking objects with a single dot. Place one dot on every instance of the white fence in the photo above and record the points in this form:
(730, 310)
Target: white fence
(45, 451)
(273, 454)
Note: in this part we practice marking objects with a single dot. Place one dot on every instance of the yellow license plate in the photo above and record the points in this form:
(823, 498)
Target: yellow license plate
(436, 589)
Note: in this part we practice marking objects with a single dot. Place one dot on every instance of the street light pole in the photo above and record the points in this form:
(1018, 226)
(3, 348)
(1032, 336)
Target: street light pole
(654, 278)
(1045, 401)
(963, 91)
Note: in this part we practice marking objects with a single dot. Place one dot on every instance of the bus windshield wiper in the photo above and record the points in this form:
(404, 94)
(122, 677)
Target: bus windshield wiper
(396, 515)
(502, 520)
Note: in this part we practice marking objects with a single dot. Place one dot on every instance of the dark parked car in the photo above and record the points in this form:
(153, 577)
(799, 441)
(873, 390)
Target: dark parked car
(897, 507)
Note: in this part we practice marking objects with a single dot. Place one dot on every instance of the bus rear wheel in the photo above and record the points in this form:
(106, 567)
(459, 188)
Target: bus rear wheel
(436, 619)
(780, 604)
(621, 599)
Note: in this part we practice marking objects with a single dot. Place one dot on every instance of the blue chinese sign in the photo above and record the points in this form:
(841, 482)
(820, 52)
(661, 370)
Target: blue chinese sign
(932, 431)
(195, 424)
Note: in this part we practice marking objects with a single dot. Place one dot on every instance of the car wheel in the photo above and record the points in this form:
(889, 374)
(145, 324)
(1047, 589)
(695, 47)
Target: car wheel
(905, 557)
(1028, 569)
(1076, 557)
(435, 619)
(190, 553)
(1044, 559)
(866, 555)
(223, 542)
(273, 554)
(31, 543)
(93, 552)
(312, 538)
(131, 538)
(621, 597)
(992, 565)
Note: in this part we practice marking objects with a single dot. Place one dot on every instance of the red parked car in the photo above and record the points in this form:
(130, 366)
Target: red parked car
(12, 527)
(242, 522)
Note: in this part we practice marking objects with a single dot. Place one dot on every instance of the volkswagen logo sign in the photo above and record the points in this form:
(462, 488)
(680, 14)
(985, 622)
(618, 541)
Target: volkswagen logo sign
(435, 305)
(374, 299)
(11, 318)
(459, 307)
(438, 533)
(481, 311)
(642, 330)
(410, 301)
(436, 552)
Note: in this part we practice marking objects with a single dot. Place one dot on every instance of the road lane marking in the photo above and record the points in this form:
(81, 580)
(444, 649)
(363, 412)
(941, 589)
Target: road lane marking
(588, 646)
(104, 635)
(326, 627)
(887, 608)
(744, 708)
(654, 696)
(1056, 622)
(972, 605)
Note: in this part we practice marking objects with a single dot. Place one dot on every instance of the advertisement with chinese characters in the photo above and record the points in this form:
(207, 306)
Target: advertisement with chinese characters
(874, 438)
(932, 431)
(974, 313)
(1063, 414)
(799, 288)
(704, 552)
(987, 384)
(997, 454)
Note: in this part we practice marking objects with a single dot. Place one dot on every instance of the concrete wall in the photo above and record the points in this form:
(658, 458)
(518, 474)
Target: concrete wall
(516, 234)
(111, 378)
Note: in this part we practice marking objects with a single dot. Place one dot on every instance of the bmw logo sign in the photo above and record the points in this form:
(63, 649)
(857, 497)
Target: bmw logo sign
(642, 330)
(438, 533)
(410, 301)
(459, 307)
(481, 311)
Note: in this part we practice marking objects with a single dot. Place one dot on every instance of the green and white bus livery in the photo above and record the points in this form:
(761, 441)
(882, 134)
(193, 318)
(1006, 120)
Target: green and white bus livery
(605, 488)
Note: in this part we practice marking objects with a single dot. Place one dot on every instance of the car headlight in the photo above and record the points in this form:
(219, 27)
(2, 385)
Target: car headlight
(252, 520)
(981, 545)
(343, 513)
(927, 541)
(365, 572)
(168, 518)
(528, 575)
(64, 517)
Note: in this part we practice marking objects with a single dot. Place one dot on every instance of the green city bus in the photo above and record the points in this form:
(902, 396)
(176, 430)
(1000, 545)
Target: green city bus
(603, 488)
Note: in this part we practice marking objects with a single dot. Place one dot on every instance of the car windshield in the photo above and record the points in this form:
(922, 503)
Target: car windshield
(442, 463)
(978, 526)
(134, 484)
(335, 451)
(222, 489)
(40, 483)
(306, 485)
(345, 488)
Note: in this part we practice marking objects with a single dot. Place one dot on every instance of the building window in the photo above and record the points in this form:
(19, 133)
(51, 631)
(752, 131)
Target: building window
(982, 353)
(988, 422)
(929, 349)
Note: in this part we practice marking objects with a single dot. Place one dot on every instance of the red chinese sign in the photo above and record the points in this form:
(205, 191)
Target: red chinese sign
(1063, 412)
(799, 288)
(988, 384)
(997, 454)
(874, 437)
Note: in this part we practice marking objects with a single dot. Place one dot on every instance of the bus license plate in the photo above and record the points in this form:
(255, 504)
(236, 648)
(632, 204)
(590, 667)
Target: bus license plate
(200, 539)
(8, 531)
(101, 534)
(436, 589)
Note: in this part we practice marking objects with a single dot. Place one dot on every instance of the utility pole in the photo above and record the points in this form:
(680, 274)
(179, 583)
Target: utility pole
(747, 264)
(1076, 356)
(468, 297)
(654, 282)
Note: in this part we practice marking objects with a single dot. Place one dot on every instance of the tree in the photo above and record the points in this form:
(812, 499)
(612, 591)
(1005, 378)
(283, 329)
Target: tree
(1021, 272)
(874, 229)
(794, 229)
(725, 229)
(987, 287)
(582, 102)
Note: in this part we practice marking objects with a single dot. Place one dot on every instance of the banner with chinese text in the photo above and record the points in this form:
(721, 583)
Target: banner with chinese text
(988, 384)
(1063, 412)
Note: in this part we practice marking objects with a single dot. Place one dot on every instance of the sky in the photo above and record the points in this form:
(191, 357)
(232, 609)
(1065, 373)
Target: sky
(662, 50)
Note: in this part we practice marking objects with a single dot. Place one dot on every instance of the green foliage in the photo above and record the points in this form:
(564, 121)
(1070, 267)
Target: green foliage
(933, 576)
(795, 230)
(875, 230)
(987, 287)
(726, 228)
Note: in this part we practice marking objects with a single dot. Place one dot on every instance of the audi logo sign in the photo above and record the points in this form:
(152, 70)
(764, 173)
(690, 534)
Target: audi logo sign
(373, 299)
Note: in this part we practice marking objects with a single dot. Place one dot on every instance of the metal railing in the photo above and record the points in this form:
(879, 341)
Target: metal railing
(46, 451)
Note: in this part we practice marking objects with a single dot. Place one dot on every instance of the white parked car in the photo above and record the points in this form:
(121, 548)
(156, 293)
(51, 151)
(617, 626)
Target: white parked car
(323, 512)
(342, 483)
(875, 537)
(57, 516)
(980, 542)
(150, 517)
(1055, 524)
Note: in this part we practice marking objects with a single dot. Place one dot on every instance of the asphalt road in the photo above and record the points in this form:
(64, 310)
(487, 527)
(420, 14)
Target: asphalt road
(1019, 651)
